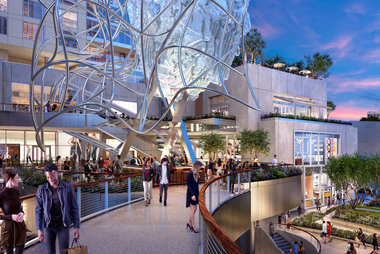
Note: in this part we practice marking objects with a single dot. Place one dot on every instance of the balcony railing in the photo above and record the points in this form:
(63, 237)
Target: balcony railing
(305, 118)
(93, 198)
(212, 237)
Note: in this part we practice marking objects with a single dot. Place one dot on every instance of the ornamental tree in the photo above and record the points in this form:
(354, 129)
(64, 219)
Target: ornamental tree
(331, 107)
(254, 45)
(355, 172)
(319, 65)
(211, 143)
(255, 142)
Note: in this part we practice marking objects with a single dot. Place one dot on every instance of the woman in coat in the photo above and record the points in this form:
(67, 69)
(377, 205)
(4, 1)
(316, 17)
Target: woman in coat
(147, 176)
(192, 194)
(13, 228)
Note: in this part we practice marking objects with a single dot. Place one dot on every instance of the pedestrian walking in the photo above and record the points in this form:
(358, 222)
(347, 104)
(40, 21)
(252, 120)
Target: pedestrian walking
(163, 178)
(375, 242)
(232, 169)
(324, 231)
(13, 229)
(279, 219)
(100, 164)
(328, 202)
(118, 164)
(296, 248)
(147, 176)
(271, 229)
(192, 194)
(361, 238)
(302, 248)
(56, 211)
(329, 230)
(28, 154)
(219, 171)
(352, 249)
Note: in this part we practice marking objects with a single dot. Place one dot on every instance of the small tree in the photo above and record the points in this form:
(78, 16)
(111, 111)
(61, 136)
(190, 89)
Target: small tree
(212, 143)
(275, 59)
(238, 60)
(255, 142)
(254, 44)
(353, 173)
(331, 107)
(319, 64)
(300, 64)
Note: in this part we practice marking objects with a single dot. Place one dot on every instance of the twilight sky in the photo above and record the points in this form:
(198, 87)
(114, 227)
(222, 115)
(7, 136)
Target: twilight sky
(348, 30)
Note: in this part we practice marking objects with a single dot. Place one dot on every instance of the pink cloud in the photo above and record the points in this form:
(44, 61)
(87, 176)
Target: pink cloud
(373, 57)
(355, 9)
(340, 46)
(348, 113)
(267, 30)
(351, 85)
(377, 39)
(339, 43)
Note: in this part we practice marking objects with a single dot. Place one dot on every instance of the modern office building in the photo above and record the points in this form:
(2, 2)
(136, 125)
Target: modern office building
(368, 133)
(307, 142)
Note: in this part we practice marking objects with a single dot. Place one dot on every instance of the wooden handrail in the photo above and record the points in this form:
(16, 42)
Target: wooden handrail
(86, 184)
(300, 229)
(228, 245)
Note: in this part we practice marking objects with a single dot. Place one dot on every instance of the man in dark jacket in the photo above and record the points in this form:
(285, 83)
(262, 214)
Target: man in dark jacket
(56, 211)
(163, 178)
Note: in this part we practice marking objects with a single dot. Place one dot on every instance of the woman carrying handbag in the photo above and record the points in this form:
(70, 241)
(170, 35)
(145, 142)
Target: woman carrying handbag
(13, 228)
(192, 194)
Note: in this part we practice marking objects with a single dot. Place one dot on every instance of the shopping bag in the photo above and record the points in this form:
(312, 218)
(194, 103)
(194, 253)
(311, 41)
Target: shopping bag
(76, 248)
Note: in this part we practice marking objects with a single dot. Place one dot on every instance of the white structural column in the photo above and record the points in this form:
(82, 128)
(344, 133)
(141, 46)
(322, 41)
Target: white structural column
(178, 129)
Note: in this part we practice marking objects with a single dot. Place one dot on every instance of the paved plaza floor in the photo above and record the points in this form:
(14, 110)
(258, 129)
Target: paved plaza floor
(158, 229)
(137, 228)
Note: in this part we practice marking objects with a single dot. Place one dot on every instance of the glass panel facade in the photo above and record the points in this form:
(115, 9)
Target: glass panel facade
(33, 9)
(69, 18)
(19, 142)
(311, 151)
(20, 93)
(3, 25)
(283, 107)
(30, 31)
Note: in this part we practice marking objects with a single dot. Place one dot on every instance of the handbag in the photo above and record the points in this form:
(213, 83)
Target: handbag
(79, 249)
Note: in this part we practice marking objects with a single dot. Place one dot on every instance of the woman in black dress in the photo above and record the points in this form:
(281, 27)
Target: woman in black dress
(192, 194)
(13, 229)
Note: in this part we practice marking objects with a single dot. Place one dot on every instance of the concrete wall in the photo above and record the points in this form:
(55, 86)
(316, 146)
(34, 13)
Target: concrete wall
(368, 136)
(269, 198)
(266, 82)
(263, 243)
(281, 132)
(234, 216)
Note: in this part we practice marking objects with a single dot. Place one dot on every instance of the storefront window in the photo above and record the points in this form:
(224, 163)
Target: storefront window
(313, 149)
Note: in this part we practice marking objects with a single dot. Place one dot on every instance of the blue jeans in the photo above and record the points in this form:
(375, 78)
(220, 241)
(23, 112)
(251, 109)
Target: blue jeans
(54, 230)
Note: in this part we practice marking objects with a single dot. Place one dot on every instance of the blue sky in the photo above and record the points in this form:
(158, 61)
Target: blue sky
(348, 30)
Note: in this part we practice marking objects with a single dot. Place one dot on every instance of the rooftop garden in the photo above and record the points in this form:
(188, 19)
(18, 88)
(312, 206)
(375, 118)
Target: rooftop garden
(211, 115)
(275, 173)
(306, 118)
(369, 119)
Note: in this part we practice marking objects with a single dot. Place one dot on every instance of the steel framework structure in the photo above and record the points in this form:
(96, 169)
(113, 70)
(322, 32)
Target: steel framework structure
(176, 46)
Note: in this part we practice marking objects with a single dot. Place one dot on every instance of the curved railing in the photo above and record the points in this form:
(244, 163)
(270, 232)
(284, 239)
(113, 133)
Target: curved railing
(213, 238)
(93, 198)
(312, 237)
